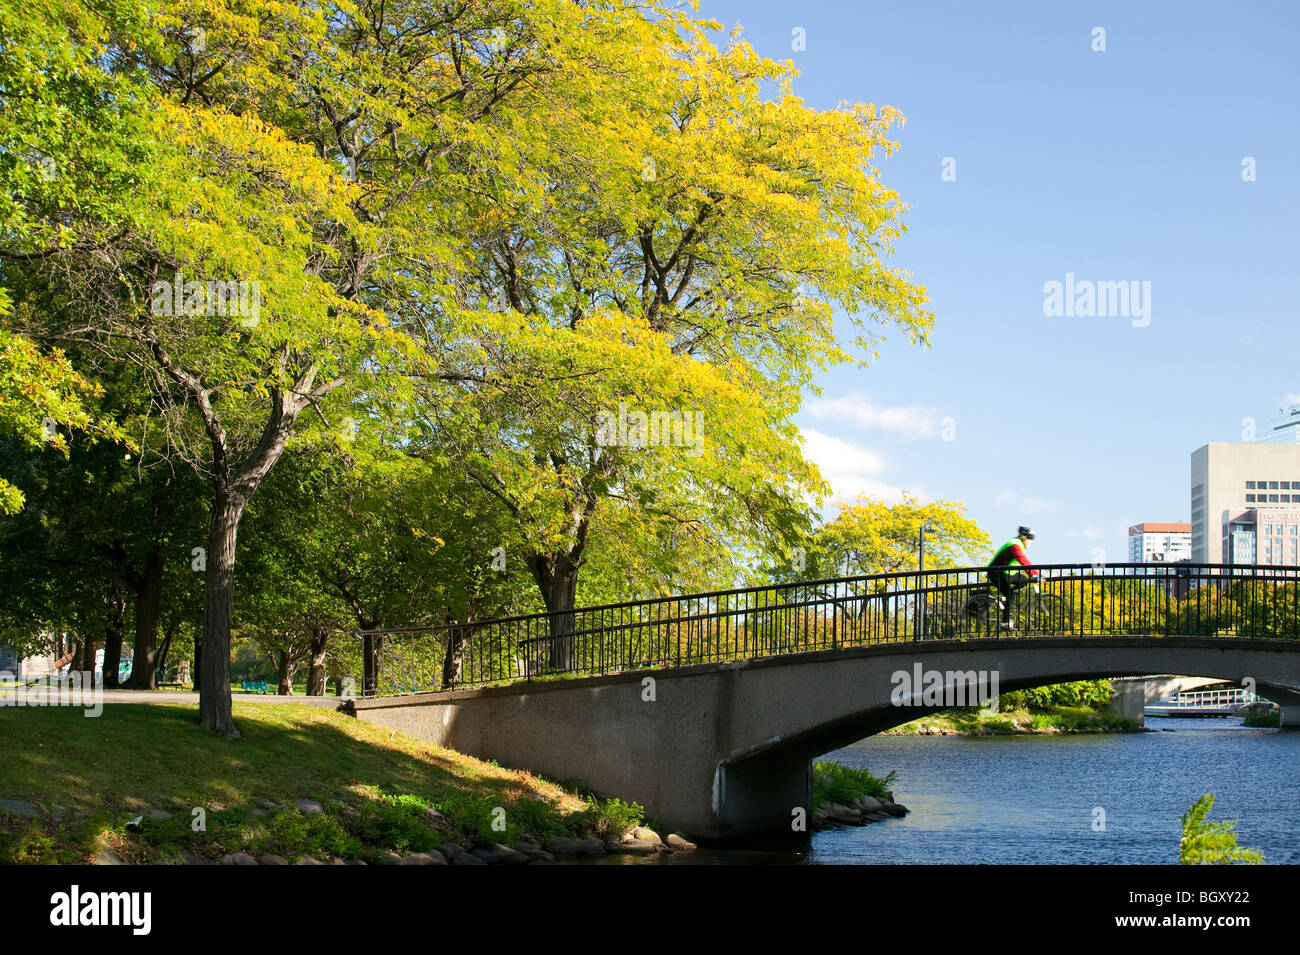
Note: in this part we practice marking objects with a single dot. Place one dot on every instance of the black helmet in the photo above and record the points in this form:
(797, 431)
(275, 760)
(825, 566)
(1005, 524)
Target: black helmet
(1026, 533)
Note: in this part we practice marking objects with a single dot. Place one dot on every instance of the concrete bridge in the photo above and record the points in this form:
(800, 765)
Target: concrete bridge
(723, 749)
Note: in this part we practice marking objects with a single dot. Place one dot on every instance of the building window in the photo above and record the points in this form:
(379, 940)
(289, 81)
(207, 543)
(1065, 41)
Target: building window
(1286, 498)
(1286, 485)
(1272, 485)
(1268, 528)
(1250, 498)
(1293, 529)
(1250, 485)
(1272, 499)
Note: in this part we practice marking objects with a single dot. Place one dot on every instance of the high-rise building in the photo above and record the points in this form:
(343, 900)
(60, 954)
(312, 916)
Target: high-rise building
(1229, 479)
(1285, 429)
(1153, 543)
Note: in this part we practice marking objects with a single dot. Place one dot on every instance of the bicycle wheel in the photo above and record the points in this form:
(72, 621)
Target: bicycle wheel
(980, 610)
(1047, 614)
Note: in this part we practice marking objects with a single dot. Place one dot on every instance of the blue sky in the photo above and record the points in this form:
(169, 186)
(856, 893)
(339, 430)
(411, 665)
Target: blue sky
(1122, 165)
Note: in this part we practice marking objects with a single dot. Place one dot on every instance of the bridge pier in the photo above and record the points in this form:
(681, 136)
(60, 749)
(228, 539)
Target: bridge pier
(758, 794)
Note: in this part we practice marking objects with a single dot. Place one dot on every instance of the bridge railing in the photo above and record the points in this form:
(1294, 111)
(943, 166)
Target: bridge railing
(837, 613)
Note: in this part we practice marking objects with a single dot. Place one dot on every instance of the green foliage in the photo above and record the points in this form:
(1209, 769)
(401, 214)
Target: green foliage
(1273, 718)
(293, 835)
(607, 818)
(1211, 843)
(1089, 694)
(834, 782)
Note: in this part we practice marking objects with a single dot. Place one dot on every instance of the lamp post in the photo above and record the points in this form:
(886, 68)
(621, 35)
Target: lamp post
(920, 581)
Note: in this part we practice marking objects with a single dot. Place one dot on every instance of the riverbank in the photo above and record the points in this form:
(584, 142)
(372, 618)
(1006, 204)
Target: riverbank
(1046, 721)
(144, 783)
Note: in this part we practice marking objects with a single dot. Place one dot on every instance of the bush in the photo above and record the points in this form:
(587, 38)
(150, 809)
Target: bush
(834, 782)
(1092, 694)
(608, 818)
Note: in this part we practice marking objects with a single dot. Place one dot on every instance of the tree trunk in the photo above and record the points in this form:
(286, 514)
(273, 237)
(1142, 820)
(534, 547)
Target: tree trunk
(163, 649)
(198, 660)
(148, 610)
(557, 577)
(286, 667)
(113, 643)
(457, 638)
(371, 645)
(218, 611)
(316, 673)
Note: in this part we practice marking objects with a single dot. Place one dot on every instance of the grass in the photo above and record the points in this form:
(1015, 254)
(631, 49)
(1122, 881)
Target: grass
(379, 789)
(1273, 718)
(974, 721)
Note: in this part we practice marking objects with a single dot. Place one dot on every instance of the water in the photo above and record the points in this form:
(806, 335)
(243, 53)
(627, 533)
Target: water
(1031, 799)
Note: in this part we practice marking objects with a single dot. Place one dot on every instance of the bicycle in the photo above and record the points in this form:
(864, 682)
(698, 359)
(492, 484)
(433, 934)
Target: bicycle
(1033, 610)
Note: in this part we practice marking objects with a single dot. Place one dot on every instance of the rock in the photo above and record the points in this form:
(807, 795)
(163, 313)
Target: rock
(843, 815)
(875, 816)
(538, 854)
(357, 862)
(467, 858)
(272, 859)
(423, 858)
(267, 804)
(108, 857)
(647, 835)
(676, 841)
(566, 847)
(16, 807)
(500, 855)
(160, 815)
(193, 858)
(868, 804)
(335, 860)
(309, 861)
(894, 809)
(390, 858)
(436, 819)
(452, 850)
(308, 806)
(641, 847)
(238, 858)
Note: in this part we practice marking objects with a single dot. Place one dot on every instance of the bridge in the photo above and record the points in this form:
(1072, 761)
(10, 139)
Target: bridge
(707, 709)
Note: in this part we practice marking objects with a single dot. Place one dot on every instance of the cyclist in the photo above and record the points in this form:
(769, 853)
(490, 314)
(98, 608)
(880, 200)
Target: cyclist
(1008, 583)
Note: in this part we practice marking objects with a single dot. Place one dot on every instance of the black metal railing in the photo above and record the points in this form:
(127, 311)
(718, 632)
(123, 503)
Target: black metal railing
(1064, 600)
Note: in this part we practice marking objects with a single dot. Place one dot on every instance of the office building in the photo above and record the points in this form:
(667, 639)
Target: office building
(1159, 543)
(1231, 479)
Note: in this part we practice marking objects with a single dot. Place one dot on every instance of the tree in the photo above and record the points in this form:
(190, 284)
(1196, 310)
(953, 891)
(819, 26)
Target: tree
(872, 537)
(683, 254)
(296, 161)
(1211, 843)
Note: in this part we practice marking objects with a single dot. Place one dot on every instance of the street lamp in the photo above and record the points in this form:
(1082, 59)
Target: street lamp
(920, 580)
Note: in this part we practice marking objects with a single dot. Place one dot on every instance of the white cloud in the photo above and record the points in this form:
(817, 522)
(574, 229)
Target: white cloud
(1292, 398)
(852, 470)
(911, 421)
(1093, 532)
(1026, 504)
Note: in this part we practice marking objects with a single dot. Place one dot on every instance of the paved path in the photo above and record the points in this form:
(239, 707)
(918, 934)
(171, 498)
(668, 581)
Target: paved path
(8, 697)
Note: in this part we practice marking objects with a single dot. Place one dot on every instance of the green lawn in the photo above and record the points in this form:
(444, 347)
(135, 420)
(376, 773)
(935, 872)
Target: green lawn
(88, 777)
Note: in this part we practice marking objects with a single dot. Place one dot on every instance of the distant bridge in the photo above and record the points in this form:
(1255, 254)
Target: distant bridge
(707, 709)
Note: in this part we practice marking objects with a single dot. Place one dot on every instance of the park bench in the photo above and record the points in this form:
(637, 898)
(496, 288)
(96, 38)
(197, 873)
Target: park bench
(251, 686)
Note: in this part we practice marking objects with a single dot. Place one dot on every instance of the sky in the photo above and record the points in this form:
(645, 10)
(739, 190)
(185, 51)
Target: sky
(1130, 164)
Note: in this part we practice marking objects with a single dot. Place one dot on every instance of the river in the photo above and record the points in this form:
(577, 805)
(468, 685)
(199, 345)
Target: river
(1033, 799)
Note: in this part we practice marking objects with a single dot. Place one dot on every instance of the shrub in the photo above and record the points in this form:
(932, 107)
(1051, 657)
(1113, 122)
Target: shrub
(836, 783)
